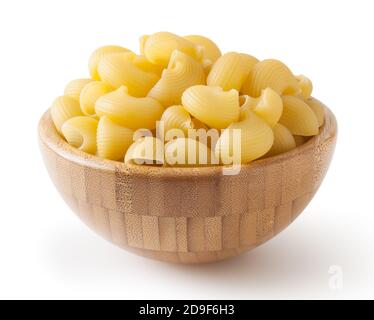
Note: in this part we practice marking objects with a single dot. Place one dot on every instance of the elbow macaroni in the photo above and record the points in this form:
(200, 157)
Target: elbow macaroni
(181, 103)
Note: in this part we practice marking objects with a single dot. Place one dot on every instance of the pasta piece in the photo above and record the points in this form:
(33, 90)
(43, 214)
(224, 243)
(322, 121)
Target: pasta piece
(212, 105)
(80, 132)
(119, 69)
(318, 109)
(90, 93)
(255, 139)
(157, 48)
(73, 88)
(142, 63)
(98, 54)
(113, 140)
(298, 117)
(268, 107)
(197, 124)
(64, 108)
(273, 74)
(231, 70)
(211, 51)
(306, 86)
(128, 111)
(188, 152)
(283, 140)
(176, 117)
(182, 73)
(146, 150)
(299, 140)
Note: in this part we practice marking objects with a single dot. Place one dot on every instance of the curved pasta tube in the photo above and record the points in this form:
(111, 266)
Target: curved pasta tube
(113, 140)
(197, 124)
(98, 54)
(231, 70)
(299, 140)
(142, 63)
(73, 88)
(268, 107)
(306, 86)
(318, 109)
(255, 140)
(158, 47)
(182, 73)
(273, 74)
(80, 132)
(90, 93)
(119, 69)
(212, 105)
(188, 152)
(211, 51)
(176, 117)
(64, 108)
(128, 111)
(146, 150)
(298, 117)
(283, 140)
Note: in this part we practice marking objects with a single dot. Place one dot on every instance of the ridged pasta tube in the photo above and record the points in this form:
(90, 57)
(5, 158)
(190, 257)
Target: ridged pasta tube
(64, 108)
(176, 117)
(256, 139)
(80, 132)
(231, 70)
(298, 117)
(212, 105)
(182, 73)
(270, 74)
(318, 109)
(188, 152)
(146, 150)
(283, 140)
(268, 107)
(119, 69)
(113, 140)
(306, 86)
(98, 54)
(211, 51)
(158, 47)
(128, 111)
(89, 95)
(73, 88)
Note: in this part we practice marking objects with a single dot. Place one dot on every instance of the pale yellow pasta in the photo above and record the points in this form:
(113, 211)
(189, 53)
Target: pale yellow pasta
(113, 140)
(98, 54)
(270, 74)
(299, 140)
(73, 88)
(90, 93)
(119, 69)
(256, 139)
(158, 47)
(176, 117)
(128, 111)
(142, 63)
(182, 73)
(80, 132)
(268, 107)
(188, 152)
(64, 108)
(211, 105)
(306, 86)
(298, 117)
(230, 71)
(283, 140)
(146, 150)
(197, 124)
(318, 109)
(211, 51)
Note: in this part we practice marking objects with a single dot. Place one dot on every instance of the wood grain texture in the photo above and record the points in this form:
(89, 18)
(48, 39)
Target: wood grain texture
(188, 215)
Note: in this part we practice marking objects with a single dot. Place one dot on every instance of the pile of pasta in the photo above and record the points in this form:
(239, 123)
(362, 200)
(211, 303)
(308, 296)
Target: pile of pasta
(185, 83)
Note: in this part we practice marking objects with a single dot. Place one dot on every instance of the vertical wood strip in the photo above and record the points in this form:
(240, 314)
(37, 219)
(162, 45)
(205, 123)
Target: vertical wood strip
(151, 237)
(134, 228)
(168, 234)
(181, 231)
(196, 234)
(231, 231)
(213, 233)
(118, 227)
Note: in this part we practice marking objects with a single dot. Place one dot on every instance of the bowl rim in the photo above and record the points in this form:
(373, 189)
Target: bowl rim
(51, 139)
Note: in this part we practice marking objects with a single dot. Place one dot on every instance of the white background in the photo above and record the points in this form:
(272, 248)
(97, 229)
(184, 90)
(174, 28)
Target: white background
(46, 252)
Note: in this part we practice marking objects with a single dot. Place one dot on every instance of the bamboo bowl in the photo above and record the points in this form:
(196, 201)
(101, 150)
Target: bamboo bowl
(188, 215)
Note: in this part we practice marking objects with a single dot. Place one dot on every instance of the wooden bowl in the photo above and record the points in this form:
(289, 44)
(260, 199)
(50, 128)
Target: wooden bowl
(188, 215)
